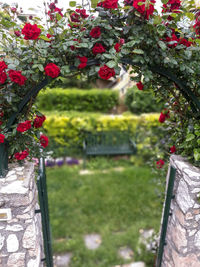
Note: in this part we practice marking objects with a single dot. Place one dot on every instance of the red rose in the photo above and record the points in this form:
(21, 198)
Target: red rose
(72, 46)
(100, 4)
(172, 6)
(162, 117)
(173, 149)
(24, 126)
(3, 66)
(98, 49)
(106, 73)
(185, 42)
(197, 27)
(110, 4)
(160, 163)
(172, 41)
(2, 137)
(3, 77)
(52, 6)
(95, 32)
(49, 35)
(38, 121)
(117, 47)
(17, 33)
(82, 13)
(21, 155)
(166, 113)
(31, 32)
(1, 114)
(44, 140)
(140, 85)
(52, 70)
(75, 17)
(83, 61)
(17, 77)
(145, 9)
(58, 10)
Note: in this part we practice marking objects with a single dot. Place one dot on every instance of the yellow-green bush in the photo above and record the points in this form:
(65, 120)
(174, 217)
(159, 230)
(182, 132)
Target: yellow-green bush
(69, 131)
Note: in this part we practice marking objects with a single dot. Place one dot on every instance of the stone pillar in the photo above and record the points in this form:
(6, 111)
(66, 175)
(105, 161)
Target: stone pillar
(182, 247)
(20, 227)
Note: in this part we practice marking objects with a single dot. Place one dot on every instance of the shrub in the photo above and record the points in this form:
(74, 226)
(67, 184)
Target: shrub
(67, 132)
(139, 102)
(79, 100)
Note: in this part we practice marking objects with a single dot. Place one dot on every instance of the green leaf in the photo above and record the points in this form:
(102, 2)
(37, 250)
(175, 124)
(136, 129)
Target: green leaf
(190, 137)
(43, 37)
(190, 15)
(111, 64)
(107, 56)
(162, 45)
(197, 41)
(94, 3)
(165, 1)
(131, 43)
(65, 69)
(84, 45)
(72, 3)
(51, 31)
(157, 20)
(12, 66)
(58, 16)
(197, 154)
(40, 67)
(138, 51)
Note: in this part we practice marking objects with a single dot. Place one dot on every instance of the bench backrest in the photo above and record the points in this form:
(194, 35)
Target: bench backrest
(107, 138)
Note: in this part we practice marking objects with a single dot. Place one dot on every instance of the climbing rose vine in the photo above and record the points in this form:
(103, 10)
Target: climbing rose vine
(98, 44)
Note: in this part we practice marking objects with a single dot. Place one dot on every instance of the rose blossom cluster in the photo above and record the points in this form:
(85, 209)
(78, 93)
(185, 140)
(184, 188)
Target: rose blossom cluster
(31, 32)
(172, 6)
(83, 61)
(25, 126)
(53, 10)
(164, 115)
(196, 26)
(119, 45)
(173, 41)
(15, 76)
(146, 9)
(109, 4)
(78, 15)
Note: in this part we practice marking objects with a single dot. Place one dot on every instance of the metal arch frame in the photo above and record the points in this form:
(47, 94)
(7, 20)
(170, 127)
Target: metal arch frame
(186, 92)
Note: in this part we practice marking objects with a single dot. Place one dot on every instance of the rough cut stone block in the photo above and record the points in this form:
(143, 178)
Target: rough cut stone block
(16, 260)
(183, 231)
(12, 243)
(21, 243)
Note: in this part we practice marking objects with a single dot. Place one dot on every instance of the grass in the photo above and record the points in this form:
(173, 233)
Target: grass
(114, 204)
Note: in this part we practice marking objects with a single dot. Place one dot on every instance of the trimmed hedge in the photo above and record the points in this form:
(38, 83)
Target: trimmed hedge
(68, 132)
(78, 100)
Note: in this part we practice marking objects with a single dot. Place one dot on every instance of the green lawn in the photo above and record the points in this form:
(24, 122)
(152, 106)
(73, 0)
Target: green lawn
(115, 205)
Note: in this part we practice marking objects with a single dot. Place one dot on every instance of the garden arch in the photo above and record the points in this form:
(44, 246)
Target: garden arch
(136, 18)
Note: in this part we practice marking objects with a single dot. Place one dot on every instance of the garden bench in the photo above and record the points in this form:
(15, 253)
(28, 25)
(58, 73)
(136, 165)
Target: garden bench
(108, 143)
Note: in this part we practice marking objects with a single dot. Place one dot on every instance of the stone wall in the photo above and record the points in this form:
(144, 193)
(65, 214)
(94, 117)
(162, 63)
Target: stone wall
(182, 247)
(20, 227)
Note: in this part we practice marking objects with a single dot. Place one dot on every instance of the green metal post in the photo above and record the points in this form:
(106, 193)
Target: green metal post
(166, 214)
(43, 198)
(3, 159)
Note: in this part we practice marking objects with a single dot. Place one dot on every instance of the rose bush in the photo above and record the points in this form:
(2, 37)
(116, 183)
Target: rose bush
(162, 50)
